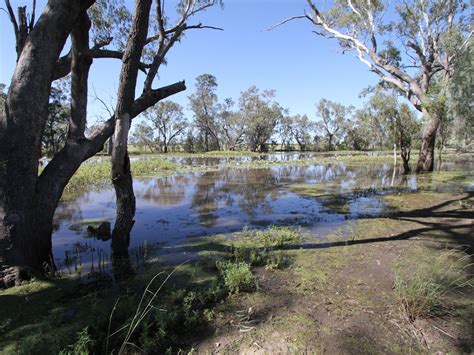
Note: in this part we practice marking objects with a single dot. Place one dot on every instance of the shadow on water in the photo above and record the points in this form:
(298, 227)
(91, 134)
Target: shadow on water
(174, 208)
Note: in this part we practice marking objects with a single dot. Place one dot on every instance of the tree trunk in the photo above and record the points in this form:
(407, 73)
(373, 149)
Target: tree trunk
(405, 155)
(121, 173)
(330, 142)
(428, 140)
(110, 146)
(28, 200)
(23, 237)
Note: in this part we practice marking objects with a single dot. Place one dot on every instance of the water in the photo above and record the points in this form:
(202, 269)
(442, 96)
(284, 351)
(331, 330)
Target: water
(175, 209)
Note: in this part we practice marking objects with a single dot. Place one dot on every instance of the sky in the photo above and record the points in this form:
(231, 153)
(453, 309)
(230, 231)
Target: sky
(300, 66)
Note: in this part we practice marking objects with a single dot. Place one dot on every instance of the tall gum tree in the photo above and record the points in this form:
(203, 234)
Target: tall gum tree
(28, 198)
(406, 45)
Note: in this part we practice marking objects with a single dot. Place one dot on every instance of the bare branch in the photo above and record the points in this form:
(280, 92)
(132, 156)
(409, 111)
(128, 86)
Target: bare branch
(286, 21)
(12, 17)
(104, 104)
(33, 12)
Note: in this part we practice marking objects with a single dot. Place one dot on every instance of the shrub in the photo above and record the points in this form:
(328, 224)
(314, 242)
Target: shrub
(237, 276)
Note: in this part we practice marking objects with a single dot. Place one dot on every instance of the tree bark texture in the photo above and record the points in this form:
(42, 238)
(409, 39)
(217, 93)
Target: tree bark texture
(427, 150)
(26, 233)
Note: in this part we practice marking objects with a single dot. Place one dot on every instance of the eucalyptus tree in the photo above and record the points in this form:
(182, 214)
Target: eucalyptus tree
(261, 114)
(333, 120)
(284, 132)
(204, 104)
(144, 136)
(168, 119)
(360, 134)
(395, 120)
(301, 129)
(407, 44)
(28, 198)
(232, 125)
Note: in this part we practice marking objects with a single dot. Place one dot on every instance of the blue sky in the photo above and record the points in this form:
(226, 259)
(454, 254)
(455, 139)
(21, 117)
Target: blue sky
(299, 65)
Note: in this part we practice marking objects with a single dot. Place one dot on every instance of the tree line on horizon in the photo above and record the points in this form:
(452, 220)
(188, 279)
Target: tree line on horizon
(258, 123)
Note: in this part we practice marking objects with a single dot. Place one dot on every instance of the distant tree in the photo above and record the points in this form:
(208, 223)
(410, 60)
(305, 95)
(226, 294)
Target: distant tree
(189, 144)
(333, 119)
(144, 136)
(261, 115)
(301, 129)
(395, 120)
(56, 129)
(3, 98)
(168, 119)
(204, 105)
(459, 125)
(407, 128)
(359, 133)
(232, 124)
(422, 29)
(284, 131)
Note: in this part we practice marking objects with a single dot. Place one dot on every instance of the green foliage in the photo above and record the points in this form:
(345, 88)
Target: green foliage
(261, 115)
(110, 22)
(144, 136)
(237, 276)
(382, 122)
(422, 287)
(83, 345)
(168, 120)
(204, 105)
(334, 117)
(57, 124)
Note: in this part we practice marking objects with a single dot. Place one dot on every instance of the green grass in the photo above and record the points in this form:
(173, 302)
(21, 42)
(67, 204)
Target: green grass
(427, 286)
(263, 248)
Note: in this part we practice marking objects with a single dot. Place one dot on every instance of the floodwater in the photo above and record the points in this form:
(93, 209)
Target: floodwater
(177, 209)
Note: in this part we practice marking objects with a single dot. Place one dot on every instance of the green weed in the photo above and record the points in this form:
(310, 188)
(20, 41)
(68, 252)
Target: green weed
(237, 276)
(82, 346)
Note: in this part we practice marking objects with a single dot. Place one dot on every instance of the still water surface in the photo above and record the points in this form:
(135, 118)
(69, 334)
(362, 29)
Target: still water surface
(175, 209)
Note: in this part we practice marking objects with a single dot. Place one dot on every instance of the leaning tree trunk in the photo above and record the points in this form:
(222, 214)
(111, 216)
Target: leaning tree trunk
(121, 173)
(428, 140)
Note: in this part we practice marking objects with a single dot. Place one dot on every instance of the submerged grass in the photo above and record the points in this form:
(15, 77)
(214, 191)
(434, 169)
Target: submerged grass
(97, 175)
(264, 247)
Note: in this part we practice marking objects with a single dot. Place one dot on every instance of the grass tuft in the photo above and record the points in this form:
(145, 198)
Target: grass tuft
(423, 288)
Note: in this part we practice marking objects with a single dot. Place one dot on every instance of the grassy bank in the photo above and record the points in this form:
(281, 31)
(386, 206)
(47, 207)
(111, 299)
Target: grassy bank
(377, 285)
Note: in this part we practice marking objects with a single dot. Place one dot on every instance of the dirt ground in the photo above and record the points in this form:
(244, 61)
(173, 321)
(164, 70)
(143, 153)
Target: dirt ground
(338, 296)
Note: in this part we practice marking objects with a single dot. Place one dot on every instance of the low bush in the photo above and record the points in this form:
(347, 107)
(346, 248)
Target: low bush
(237, 276)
